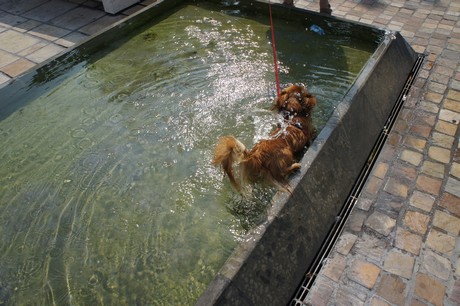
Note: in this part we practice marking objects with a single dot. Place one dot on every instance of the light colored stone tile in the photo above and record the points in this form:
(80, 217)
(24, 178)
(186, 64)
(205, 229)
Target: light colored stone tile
(364, 203)
(18, 67)
(321, 292)
(416, 221)
(452, 105)
(440, 242)
(449, 116)
(422, 200)
(453, 94)
(434, 97)
(371, 247)
(429, 289)
(408, 241)
(428, 184)
(411, 157)
(433, 169)
(392, 289)
(7, 58)
(455, 170)
(364, 273)
(399, 264)
(334, 267)
(381, 223)
(453, 186)
(439, 154)
(415, 142)
(42, 43)
(436, 265)
(376, 301)
(429, 107)
(442, 140)
(396, 187)
(13, 42)
(345, 243)
(373, 185)
(4, 78)
(446, 222)
(380, 170)
(348, 296)
(45, 53)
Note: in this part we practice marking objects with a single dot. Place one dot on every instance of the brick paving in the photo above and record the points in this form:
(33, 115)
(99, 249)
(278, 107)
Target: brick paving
(401, 244)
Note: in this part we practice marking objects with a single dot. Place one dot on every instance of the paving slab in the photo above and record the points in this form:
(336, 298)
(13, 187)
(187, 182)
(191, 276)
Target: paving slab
(20, 7)
(77, 18)
(14, 42)
(50, 10)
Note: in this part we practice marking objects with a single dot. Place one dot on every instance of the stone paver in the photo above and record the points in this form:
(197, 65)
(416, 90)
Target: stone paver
(14, 42)
(429, 289)
(441, 242)
(399, 263)
(49, 10)
(77, 18)
(407, 241)
(392, 289)
(18, 67)
(400, 245)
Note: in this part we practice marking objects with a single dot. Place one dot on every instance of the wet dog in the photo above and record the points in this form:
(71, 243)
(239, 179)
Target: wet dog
(272, 160)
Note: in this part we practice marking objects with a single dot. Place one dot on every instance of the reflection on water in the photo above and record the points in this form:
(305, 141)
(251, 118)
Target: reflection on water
(107, 195)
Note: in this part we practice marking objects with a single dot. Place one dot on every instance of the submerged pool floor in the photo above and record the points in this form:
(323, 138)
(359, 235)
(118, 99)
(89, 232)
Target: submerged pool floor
(107, 194)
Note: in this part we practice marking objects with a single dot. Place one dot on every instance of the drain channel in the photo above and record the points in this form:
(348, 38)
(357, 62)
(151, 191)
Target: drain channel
(337, 227)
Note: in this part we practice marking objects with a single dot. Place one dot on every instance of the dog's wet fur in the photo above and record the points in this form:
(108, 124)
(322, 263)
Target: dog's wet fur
(274, 159)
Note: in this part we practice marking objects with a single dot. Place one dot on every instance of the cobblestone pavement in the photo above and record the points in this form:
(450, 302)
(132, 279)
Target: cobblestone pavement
(401, 245)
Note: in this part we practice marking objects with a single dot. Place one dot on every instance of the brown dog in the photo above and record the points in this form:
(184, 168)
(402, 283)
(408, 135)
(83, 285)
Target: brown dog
(272, 160)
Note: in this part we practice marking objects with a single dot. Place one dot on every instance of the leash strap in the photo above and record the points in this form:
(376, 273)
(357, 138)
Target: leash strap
(278, 91)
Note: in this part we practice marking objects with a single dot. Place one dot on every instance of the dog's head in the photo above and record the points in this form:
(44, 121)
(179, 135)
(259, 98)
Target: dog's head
(295, 100)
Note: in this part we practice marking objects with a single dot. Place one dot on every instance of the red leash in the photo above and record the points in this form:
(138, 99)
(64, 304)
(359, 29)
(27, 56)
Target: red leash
(278, 91)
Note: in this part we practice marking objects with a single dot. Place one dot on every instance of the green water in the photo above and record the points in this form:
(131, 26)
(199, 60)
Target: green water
(107, 195)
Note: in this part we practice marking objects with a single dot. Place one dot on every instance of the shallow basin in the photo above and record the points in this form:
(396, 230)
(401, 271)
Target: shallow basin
(107, 193)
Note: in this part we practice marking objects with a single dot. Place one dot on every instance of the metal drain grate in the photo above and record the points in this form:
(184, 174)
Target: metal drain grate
(342, 217)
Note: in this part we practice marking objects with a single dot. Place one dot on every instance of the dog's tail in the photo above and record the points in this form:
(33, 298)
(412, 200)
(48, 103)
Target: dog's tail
(227, 151)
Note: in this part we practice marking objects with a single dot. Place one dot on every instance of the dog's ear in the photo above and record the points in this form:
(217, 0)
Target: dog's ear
(310, 102)
(276, 104)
